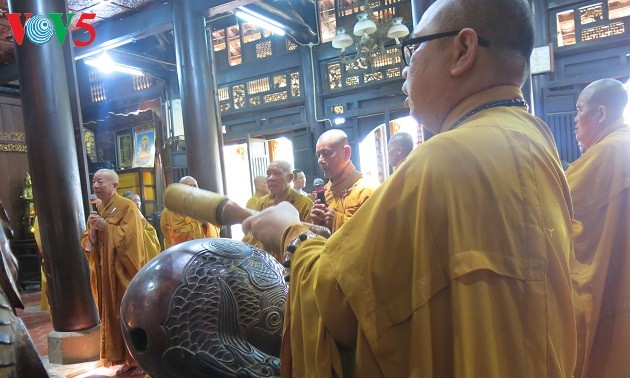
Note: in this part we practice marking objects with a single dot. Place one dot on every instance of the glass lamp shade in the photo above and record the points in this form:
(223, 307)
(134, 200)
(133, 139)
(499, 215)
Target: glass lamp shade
(364, 25)
(342, 39)
(398, 29)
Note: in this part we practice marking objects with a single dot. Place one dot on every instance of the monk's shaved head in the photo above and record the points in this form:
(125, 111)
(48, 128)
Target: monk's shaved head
(282, 165)
(402, 140)
(188, 180)
(334, 137)
(109, 174)
(259, 180)
(609, 93)
(507, 24)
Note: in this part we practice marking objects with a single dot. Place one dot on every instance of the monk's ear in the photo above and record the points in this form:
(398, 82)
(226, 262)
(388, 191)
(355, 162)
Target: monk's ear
(465, 46)
(346, 151)
(602, 113)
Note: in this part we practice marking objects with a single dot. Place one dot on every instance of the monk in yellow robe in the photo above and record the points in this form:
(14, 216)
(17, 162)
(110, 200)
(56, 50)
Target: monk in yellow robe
(177, 228)
(459, 264)
(347, 190)
(151, 240)
(279, 179)
(43, 300)
(261, 190)
(115, 251)
(600, 188)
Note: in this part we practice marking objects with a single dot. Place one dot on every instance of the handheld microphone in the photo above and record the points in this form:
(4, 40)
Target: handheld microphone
(93, 201)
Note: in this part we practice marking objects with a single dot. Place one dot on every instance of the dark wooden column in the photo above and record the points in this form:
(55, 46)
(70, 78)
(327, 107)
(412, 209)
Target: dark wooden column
(197, 88)
(313, 103)
(52, 153)
(541, 38)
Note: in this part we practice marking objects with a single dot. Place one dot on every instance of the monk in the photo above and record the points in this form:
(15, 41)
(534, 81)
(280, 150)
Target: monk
(260, 186)
(115, 251)
(151, 240)
(600, 187)
(459, 264)
(43, 299)
(279, 179)
(178, 228)
(347, 189)
(399, 147)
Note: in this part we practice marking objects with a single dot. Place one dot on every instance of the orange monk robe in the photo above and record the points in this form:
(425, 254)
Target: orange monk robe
(151, 240)
(43, 300)
(457, 266)
(600, 189)
(178, 228)
(348, 194)
(302, 203)
(114, 260)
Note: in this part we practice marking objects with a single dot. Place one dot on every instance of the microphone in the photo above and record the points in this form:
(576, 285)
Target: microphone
(93, 201)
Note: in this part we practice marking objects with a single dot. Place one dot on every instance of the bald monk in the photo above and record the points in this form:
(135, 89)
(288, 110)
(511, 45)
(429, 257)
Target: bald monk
(178, 228)
(115, 251)
(279, 179)
(600, 187)
(459, 264)
(400, 145)
(347, 189)
(260, 186)
(151, 241)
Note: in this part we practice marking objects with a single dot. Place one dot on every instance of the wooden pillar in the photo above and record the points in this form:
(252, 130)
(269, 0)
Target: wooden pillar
(49, 127)
(197, 88)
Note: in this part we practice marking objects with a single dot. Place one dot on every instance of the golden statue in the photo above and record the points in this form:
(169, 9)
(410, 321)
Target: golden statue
(29, 207)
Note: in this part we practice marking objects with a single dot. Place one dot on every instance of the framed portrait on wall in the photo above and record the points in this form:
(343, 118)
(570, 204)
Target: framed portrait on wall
(124, 150)
(144, 148)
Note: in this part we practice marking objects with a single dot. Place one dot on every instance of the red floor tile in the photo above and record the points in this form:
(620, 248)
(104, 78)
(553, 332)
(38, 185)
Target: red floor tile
(37, 322)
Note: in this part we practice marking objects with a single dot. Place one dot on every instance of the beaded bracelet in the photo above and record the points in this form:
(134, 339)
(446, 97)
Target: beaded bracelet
(293, 246)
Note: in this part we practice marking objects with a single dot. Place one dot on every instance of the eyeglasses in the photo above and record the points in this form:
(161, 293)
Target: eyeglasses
(408, 46)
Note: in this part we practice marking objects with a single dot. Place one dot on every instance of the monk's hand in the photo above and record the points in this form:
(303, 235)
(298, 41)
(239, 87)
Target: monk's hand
(317, 212)
(96, 221)
(329, 217)
(269, 225)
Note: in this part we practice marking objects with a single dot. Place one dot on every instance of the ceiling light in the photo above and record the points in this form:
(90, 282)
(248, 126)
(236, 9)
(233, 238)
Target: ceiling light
(373, 36)
(104, 63)
(260, 20)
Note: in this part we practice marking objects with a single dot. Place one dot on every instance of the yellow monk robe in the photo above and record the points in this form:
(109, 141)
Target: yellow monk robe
(178, 228)
(600, 188)
(348, 194)
(117, 256)
(457, 266)
(254, 201)
(302, 203)
(151, 240)
(43, 300)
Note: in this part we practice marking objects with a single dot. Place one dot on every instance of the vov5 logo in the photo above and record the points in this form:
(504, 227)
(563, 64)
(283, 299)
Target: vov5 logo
(40, 28)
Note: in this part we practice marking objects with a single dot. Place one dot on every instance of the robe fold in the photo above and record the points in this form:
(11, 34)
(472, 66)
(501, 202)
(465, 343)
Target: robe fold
(600, 188)
(457, 266)
(151, 240)
(346, 195)
(117, 256)
(301, 203)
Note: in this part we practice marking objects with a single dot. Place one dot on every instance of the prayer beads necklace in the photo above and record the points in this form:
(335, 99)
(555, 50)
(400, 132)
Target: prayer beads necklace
(513, 102)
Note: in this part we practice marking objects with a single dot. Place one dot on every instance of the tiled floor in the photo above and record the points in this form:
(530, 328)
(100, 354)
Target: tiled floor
(39, 325)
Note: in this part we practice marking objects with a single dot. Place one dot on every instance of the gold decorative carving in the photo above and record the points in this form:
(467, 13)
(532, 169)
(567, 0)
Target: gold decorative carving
(12, 147)
(7, 136)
